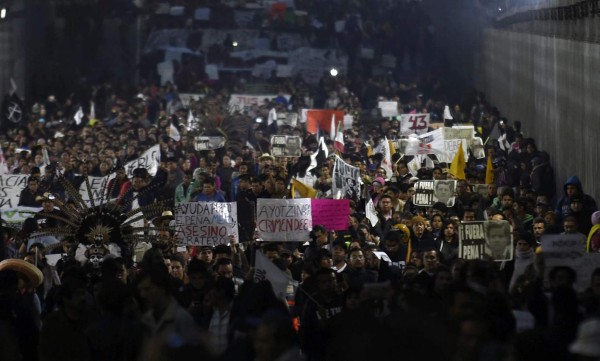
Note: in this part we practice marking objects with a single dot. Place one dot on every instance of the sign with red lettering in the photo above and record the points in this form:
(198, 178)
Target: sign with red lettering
(284, 220)
(206, 223)
(414, 123)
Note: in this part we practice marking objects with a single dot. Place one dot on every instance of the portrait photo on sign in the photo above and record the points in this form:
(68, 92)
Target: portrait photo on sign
(443, 191)
(498, 240)
(286, 146)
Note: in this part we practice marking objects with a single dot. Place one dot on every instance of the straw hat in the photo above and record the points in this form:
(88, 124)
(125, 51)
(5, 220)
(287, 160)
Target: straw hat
(166, 216)
(31, 272)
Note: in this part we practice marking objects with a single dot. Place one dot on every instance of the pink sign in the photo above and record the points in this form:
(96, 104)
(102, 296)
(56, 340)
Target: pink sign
(331, 213)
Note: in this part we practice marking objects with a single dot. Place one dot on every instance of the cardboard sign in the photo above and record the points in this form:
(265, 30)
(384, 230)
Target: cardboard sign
(429, 192)
(286, 146)
(459, 132)
(208, 143)
(289, 119)
(414, 123)
(486, 238)
(569, 250)
(423, 196)
(206, 223)
(388, 109)
(331, 213)
(284, 220)
(346, 180)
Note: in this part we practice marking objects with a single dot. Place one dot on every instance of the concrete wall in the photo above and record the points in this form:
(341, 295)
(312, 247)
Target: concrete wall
(553, 86)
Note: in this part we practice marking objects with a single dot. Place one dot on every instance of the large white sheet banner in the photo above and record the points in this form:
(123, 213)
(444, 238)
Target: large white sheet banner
(284, 220)
(206, 223)
(149, 160)
(243, 102)
(11, 186)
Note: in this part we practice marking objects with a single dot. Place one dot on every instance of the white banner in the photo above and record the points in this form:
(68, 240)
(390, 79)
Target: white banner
(346, 180)
(11, 186)
(15, 217)
(284, 220)
(243, 102)
(414, 123)
(388, 109)
(207, 143)
(428, 143)
(465, 132)
(206, 223)
(450, 149)
(149, 160)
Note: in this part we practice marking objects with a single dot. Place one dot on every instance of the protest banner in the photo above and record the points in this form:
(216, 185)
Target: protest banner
(149, 160)
(14, 217)
(11, 186)
(450, 149)
(346, 180)
(284, 220)
(331, 213)
(471, 240)
(569, 250)
(286, 146)
(97, 185)
(243, 102)
(459, 132)
(427, 143)
(414, 123)
(443, 191)
(320, 120)
(206, 223)
(477, 148)
(208, 143)
(388, 109)
(186, 98)
(423, 196)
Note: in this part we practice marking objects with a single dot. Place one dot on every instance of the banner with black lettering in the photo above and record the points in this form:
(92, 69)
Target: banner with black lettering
(150, 160)
(11, 186)
(346, 180)
(286, 146)
(284, 220)
(486, 239)
(206, 223)
(414, 123)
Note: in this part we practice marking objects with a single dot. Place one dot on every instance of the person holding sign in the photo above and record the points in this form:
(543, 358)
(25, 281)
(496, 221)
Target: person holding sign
(498, 240)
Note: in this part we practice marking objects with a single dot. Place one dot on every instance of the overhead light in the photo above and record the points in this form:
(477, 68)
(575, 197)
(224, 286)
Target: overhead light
(3, 13)
(259, 120)
(333, 72)
(235, 43)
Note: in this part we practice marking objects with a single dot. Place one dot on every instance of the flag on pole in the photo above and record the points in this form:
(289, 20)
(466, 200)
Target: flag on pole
(174, 132)
(489, 171)
(265, 269)
(318, 155)
(386, 163)
(369, 149)
(339, 138)
(332, 133)
(272, 117)
(3, 164)
(190, 120)
(301, 190)
(78, 116)
(457, 168)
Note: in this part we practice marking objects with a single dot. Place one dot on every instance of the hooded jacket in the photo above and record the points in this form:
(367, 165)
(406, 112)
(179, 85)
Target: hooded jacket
(563, 207)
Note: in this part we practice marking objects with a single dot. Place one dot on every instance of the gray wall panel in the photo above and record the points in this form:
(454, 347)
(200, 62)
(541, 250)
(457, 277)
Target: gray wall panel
(552, 86)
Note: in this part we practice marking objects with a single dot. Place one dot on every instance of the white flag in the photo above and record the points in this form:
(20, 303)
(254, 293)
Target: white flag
(3, 165)
(190, 120)
(272, 116)
(174, 133)
(78, 116)
(386, 163)
(447, 115)
(332, 128)
(371, 212)
(264, 269)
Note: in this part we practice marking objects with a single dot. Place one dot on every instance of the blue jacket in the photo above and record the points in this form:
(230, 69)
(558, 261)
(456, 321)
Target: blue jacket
(563, 207)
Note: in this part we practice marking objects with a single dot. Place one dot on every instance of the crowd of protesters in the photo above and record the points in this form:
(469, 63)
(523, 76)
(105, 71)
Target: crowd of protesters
(165, 302)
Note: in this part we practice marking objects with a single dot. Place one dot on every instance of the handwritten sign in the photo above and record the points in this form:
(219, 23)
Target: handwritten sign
(569, 250)
(11, 186)
(284, 220)
(414, 123)
(459, 132)
(331, 213)
(388, 109)
(149, 160)
(206, 223)
(471, 240)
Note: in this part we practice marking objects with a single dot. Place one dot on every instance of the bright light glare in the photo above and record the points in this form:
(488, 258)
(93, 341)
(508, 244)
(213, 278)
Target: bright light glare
(235, 43)
(3, 13)
(333, 72)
